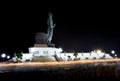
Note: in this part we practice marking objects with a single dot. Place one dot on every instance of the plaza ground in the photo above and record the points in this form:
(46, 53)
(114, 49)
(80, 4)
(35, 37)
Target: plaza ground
(102, 69)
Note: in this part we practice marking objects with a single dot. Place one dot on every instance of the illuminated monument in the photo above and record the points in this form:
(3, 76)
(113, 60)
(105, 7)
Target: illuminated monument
(43, 48)
(43, 39)
(44, 51)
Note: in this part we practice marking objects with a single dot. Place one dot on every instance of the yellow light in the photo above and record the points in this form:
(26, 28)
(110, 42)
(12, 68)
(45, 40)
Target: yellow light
(99, 51)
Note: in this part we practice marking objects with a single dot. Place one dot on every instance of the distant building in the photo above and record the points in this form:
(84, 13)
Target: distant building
(84, 56)
(55, 54)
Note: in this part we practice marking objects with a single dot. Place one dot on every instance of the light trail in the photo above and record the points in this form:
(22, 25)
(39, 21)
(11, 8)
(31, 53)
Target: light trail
(58, 63)
(28, 66)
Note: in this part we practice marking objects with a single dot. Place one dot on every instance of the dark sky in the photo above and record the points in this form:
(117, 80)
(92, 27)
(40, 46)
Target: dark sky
(79, 27)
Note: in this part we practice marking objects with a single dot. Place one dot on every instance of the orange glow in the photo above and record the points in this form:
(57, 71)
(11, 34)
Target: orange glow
(36, 66)
(58, 63)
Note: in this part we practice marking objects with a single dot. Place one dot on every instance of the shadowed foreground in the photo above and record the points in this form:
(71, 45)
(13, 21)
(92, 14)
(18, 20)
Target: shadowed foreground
(102, 71)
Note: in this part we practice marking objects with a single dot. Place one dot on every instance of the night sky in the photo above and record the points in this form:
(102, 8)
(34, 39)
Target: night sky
(82, 28)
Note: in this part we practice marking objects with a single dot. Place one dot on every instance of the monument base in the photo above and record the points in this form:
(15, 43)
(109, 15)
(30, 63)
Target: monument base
(40, 45)
(44, 45)
(44, 59)
(51, 45)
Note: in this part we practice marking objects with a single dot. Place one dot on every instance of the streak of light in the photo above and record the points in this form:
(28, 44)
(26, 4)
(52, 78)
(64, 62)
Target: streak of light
(58, 63)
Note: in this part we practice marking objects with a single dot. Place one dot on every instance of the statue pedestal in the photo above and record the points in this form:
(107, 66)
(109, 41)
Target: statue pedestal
(51, 45)
(43, 51)
(44, 45)
(40, 45)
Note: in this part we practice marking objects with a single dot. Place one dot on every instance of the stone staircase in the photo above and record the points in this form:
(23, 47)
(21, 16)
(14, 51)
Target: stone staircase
(44, 59)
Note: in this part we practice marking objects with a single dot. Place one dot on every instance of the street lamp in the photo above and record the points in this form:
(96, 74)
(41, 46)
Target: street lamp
(115, 55)
(113, 52)
(98, 51)
(3, 56)
(8, 57)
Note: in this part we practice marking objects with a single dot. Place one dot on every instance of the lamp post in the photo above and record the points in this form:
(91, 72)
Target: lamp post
(8, 57)
(3, 56)
(115, 55)
(113, 52)
(99, 51)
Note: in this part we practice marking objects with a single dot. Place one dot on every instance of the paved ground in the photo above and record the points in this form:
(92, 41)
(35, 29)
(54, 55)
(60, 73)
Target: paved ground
(58, 70)
(28, 66)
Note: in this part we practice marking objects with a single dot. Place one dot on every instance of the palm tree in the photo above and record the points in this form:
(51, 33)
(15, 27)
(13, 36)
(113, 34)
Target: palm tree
(75, 54)
(19, 56)
(69, 58)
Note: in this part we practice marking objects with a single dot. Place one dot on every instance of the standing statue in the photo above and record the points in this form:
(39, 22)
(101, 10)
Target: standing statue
(50, 28)
(45, 38)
